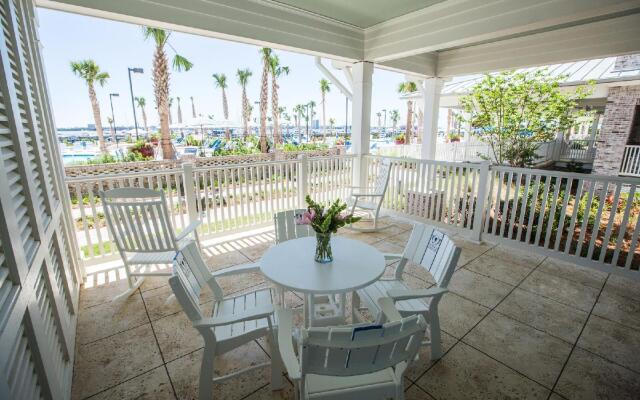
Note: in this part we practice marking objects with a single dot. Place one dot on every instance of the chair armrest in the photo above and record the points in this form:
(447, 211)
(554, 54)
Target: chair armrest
(389, 309)
(237, 269)
(392, 256)
(188, 230)
(366, 195)
(259, 312)
(401, 294)
(285, 343)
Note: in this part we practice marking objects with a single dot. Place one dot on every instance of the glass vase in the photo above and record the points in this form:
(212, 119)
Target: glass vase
(323, 248)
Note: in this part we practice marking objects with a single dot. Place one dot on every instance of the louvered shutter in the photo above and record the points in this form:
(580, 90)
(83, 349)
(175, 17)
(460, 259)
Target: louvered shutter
(39, 274)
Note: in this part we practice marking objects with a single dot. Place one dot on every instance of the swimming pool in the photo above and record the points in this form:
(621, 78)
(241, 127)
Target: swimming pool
(72, 158)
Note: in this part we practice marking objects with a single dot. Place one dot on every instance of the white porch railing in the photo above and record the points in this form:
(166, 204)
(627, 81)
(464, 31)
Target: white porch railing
(630, 161)
(587, 219)
(582, 150)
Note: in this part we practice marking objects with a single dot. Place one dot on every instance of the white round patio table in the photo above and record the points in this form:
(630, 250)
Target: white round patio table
(290, 265)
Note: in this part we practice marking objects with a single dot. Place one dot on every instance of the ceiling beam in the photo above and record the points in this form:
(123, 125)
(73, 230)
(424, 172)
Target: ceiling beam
(246, 21)
(423, 65)
(459, 23)
(608, 38)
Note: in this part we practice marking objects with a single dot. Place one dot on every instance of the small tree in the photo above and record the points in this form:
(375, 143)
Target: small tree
(516, 111)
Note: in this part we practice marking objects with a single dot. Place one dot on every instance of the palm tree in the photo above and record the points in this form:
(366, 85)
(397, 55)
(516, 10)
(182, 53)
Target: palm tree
(287, 118)
(161, 82)
(193, 108)
(265, 52)
(243, 79)
(179, 111)
(112, 127)
(311, 113)
(299, 111)
(379, 115)
(221, 82)
(277, 70)
(395, 117)
(406, 88)
(332, 122)
(324, 89)
(90, 72)
(142, 102)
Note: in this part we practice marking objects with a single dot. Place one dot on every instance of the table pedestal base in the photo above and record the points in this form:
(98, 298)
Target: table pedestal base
(325, 310)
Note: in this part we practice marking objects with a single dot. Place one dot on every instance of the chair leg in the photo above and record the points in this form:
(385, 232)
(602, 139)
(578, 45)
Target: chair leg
(355, 307)
(435, 336)
(205, 388)
(133, 284)
(277, 366)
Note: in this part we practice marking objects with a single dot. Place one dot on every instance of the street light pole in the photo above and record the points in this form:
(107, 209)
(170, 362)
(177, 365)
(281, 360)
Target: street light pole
(133, 104)
(384, 127)
(113, 117)
(308, 116)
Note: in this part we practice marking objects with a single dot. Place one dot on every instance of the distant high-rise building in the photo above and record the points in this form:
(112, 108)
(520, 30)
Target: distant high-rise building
(91, 127)
(315, 124)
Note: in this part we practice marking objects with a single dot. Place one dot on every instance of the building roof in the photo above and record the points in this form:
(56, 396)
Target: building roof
(600, 70)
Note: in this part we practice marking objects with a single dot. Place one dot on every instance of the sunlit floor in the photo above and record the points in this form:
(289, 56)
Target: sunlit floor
(515, 325)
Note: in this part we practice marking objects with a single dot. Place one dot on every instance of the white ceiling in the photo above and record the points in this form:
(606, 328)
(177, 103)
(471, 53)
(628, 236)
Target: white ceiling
(360, 13)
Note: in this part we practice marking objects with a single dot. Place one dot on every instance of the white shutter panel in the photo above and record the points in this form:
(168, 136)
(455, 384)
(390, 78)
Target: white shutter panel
(39, 277)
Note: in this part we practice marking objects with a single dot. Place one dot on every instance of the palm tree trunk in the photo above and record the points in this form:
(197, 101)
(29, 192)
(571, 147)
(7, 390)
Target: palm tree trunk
(274, 110)
(407, 138)
(144, 120)
(225, 111)
(324, 121)
(161, 91)
(264, 94)
(245, 111)
(96, 118)
(179, 112)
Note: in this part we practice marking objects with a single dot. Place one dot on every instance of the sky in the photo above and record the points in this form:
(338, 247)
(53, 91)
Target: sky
(115, 46)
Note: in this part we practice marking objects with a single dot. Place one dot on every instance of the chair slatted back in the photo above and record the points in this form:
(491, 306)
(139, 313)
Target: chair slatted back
(434, 250)
(382, 180)
(190, 275)
(348, 351)
(138, 219)
(286, 227)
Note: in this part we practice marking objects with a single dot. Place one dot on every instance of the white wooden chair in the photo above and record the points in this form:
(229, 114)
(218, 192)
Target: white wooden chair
(321, 309)
(141, 228)
(235, 320)
(434, 251)
(351, 362)
(369, 199)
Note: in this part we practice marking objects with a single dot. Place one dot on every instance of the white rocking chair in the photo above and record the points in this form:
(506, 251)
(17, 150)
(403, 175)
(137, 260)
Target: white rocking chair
(434, 251)
(141, 228)
(322, 310)
(370, 199)
(351, 362)
(235, 320)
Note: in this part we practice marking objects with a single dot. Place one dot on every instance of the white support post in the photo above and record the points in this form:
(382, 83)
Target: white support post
(479, 212)
(431, 98)
(361, 118)
(190, 191)
(303, 180)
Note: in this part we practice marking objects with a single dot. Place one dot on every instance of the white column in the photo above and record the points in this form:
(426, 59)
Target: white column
(361, 118)
(431, 99)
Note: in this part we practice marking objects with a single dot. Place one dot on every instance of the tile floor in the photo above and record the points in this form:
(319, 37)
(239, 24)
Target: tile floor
(516, 325)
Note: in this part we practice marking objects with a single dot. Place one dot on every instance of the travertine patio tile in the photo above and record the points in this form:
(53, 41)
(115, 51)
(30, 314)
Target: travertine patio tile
(185, 371)
(459, 315)
(516, 255)
(400, 238)
(479, 288)
(466, 374)
(110, 361)
(110, 318)
(388, 247)
(223, 258)
(176, 336)
(159, 304)
(363, 237)
(589, 376)
(545, 314)
(414, 392)
(236, 283)
(612, 341)
(148, 386)
(154, 282)
(560, 289)
(586, 276)
(265, 393)
(499, 269)
(623, 310)
(255, 251)
(419, 366)
(531, 352)
(98, 293)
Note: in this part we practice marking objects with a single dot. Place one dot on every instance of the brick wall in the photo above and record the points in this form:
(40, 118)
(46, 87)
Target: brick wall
(616, 126)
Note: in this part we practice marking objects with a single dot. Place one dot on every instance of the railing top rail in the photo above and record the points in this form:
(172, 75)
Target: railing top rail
(123, 175)
(632, 146)
(244, 165)
(340, 157)
(468, 164)
(560, 174)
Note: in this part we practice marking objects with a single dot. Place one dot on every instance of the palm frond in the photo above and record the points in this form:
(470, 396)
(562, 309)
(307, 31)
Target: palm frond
(180, 63)
(221, 80)
(102, 77)
(160, 36)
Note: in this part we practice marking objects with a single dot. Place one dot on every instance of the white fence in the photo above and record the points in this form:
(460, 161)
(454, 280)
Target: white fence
(630, 161)
(588, 219)
(582, 150)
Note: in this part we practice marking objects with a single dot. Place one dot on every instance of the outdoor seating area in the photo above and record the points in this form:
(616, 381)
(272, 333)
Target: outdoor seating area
(514, 325)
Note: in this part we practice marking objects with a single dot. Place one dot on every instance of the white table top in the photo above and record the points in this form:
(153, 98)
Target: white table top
(291, 265)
